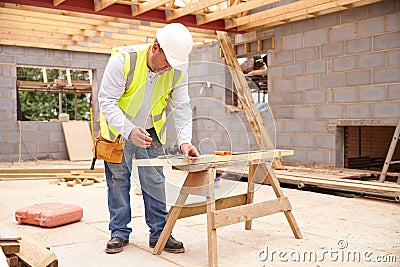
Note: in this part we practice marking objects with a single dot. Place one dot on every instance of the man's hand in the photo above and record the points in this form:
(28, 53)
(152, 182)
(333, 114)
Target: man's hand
(189, 150)
(140, 137)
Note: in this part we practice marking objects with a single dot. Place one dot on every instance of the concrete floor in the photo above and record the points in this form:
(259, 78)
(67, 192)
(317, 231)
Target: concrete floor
(364, 226)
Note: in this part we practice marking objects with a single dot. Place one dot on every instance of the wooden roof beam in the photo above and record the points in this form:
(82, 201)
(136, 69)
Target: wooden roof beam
(147, 6)
(320, 13)
(349, 6)
(193, 7)
(328, 6)
(57, 2)
(234, 2)
(308, 10)
(95, 23)
(101, 4)
(128, 2)
(273, 14)
(179, 4)
(233, 10)
(121, 11)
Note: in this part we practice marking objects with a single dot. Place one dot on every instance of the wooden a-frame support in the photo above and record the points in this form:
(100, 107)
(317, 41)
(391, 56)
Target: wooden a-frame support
(225, 211)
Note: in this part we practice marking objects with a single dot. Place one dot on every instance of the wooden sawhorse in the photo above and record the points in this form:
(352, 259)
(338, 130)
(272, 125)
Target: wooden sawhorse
(230, 210)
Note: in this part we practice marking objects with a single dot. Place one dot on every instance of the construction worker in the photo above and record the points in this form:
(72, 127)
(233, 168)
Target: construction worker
(132, 99)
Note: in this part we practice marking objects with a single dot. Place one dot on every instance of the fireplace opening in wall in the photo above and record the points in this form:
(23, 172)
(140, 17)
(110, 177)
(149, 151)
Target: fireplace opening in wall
(366, 147)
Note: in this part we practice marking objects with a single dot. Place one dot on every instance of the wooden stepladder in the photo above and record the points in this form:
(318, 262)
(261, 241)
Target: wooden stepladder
(389, 156)
(245, 97)
(229, 210)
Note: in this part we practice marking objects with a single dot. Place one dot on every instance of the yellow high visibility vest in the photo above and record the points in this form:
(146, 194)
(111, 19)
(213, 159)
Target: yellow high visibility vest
(135, 71)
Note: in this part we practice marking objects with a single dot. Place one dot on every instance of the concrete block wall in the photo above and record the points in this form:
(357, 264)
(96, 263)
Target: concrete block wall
(28, 140)
(336, 70)
(331, 71)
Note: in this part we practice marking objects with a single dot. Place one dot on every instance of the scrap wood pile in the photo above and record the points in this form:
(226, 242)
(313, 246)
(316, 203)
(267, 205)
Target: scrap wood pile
(80, 177)
(20, 250)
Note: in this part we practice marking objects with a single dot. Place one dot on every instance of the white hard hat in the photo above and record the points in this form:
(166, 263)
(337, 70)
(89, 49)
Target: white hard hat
(177, 43)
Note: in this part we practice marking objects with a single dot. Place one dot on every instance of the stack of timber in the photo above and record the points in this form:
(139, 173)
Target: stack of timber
(50, 173)
(80, 177)
(341, 180)
(18, 249)
(9, 245)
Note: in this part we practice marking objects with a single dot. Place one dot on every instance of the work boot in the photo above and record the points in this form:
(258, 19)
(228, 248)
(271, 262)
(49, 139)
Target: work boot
(172, 246)
(116, 245)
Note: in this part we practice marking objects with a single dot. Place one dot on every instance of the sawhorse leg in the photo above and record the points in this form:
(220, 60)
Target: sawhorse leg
(169, 225)
(211, 229)
(279, 193)
(196, 183)
(271, 176)
(250, 190)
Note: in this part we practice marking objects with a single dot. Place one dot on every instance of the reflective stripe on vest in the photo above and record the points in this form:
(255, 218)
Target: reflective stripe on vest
(135, 71)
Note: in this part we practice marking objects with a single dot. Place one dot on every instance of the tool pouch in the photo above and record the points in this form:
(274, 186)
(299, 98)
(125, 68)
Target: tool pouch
(110, 151)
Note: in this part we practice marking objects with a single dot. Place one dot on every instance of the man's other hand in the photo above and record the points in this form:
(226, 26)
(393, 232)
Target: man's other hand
(189, 150)
(140, 137)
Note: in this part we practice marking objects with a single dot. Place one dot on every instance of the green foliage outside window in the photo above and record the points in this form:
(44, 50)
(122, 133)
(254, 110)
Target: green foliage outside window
(39, 106)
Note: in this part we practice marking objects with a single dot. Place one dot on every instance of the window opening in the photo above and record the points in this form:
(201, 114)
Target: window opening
(255, 70)
(44, 93)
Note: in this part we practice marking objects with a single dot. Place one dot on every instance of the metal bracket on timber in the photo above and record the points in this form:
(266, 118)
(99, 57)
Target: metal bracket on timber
(256, 122)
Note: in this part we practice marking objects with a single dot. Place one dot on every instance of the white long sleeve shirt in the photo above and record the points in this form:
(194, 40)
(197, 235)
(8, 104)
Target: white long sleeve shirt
(113, 87)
